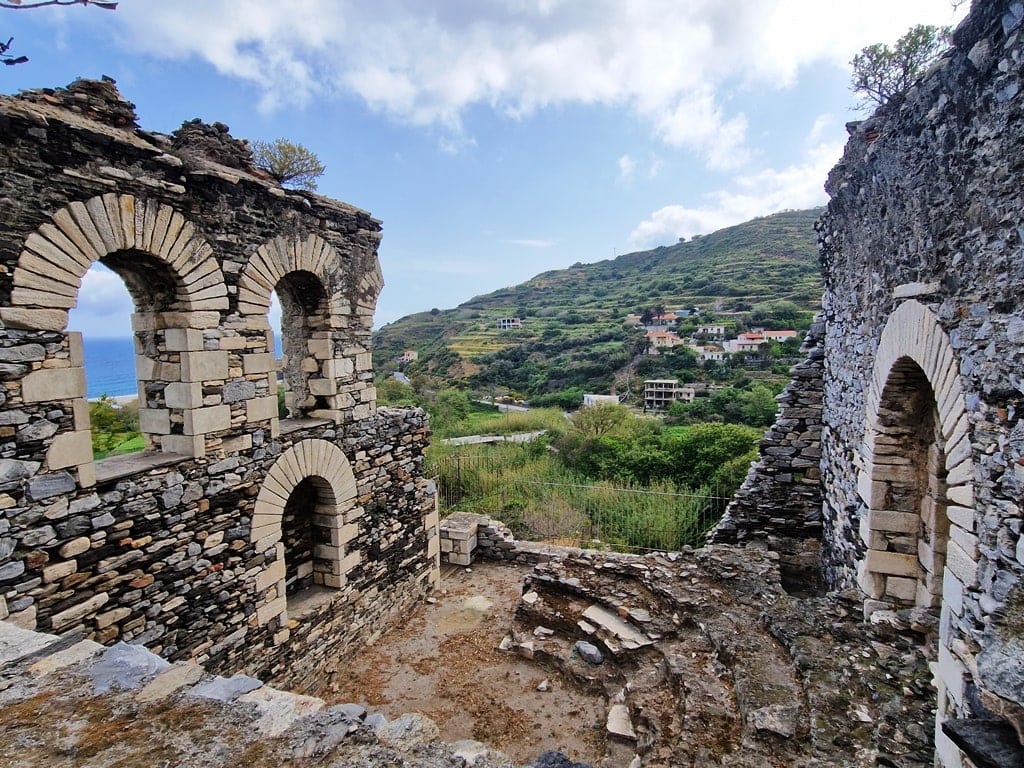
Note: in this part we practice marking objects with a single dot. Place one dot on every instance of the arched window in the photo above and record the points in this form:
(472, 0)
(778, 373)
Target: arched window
(178, 290)
(304, 517)
(305, 343)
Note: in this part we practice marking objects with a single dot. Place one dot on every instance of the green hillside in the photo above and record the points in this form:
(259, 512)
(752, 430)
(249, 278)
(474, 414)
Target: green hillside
(575, 333)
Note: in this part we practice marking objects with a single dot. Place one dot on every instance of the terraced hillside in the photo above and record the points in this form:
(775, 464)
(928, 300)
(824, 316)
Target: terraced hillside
(574, 330)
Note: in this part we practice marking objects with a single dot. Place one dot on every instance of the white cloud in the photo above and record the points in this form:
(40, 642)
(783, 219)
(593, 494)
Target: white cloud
(655, 169)
(757, 194)
(667, 61)
(626, 167)
(104, 306)
(821, 125)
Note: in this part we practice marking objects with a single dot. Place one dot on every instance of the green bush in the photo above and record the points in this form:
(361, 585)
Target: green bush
(115, 427)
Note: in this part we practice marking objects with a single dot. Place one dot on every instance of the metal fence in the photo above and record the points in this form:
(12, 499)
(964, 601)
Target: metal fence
(577, 513)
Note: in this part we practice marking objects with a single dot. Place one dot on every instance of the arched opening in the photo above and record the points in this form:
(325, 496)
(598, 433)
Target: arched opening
(178, 289)
(918, 525)
(132, 356)
(103, 318)
(306, 524)
(304, 342)
(304, 540)
(907, 528)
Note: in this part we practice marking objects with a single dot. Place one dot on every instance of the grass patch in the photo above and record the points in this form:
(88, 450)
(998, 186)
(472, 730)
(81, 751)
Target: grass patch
(484, 420)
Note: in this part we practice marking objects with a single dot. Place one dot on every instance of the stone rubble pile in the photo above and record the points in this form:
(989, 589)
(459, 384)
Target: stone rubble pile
(706, 660)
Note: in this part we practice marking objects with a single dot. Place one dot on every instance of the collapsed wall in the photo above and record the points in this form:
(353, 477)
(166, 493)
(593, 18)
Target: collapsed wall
(779, 503)
(240, 537)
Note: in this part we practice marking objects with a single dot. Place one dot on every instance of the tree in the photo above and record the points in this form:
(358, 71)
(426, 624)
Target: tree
(290, 163)
(18, 5)
(598, 420)
(880, 72)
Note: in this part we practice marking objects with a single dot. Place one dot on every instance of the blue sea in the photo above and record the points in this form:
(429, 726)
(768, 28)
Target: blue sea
(110, 366)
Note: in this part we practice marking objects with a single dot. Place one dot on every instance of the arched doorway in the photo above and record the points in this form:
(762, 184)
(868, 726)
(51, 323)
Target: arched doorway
(906, 528)
(916, 481)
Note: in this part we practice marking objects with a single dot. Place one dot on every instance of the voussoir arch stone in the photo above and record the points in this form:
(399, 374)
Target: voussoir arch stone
(306, 459)
(55, 257)
(913, 331)
(279, 257)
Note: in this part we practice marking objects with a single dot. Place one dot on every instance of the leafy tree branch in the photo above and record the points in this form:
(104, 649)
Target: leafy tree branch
(881, 72)
(291, 164)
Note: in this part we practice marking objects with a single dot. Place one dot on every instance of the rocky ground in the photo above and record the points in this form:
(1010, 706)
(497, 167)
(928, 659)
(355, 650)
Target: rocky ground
(689, 659)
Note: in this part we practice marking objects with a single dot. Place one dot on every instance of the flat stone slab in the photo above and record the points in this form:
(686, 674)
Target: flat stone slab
(170, 681)
(17, 643)
(279, 709)
(628, 635)
(619, 723)
(226, 688)
(76, 654)
(125, 666)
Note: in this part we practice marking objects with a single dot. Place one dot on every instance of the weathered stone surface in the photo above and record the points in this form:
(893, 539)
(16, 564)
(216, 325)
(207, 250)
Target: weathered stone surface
(50, 485)
(124, 666)
(408, 731)
(170, 681)
(619, 723)
(226, 688)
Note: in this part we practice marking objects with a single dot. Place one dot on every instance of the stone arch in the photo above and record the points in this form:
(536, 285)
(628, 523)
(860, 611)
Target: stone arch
(277, 258)
(916, 480)
(178, 288)
(913, 353)
(304, 272)
(58, 254)
(322, 467)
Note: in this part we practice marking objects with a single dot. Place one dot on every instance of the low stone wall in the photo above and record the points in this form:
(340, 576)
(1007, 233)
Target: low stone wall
(464, 535)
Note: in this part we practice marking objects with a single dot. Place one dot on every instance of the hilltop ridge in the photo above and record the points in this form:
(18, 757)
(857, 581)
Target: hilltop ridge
(574, 321)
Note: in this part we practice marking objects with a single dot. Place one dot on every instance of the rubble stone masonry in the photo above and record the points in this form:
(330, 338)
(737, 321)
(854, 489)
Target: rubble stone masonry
(922, 433)
(238, 538)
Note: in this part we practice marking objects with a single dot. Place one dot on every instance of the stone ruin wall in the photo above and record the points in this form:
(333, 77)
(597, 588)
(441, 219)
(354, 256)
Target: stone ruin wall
(922, 440)
(189, 547)
(779, 503)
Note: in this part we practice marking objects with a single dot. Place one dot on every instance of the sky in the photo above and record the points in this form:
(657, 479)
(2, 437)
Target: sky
(496, 139)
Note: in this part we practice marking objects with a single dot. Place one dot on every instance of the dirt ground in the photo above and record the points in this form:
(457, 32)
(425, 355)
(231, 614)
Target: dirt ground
(445, 664)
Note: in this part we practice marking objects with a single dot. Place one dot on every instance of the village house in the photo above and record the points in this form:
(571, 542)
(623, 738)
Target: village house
(659, 394)
(662, 340)
(509, 323)
(712, 352)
